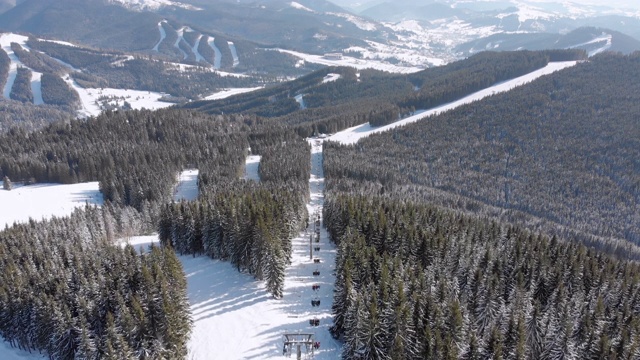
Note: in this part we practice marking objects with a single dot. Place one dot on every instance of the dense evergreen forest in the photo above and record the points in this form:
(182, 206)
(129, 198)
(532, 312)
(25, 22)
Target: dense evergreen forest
(67, 291)
(21, 90)
(416, 282)
(558, 155)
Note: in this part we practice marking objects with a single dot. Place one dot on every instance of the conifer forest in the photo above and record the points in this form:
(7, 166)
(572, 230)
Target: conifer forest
(507, 228)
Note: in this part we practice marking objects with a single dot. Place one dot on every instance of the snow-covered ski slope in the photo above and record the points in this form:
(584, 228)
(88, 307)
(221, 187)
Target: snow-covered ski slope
(218, 55)
(163, 35)
(187, 188)
(352, 135)
(5, 43)
(234, 53)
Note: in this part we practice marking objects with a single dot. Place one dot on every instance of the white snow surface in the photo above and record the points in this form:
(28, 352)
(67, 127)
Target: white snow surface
(353, 62)
(234, 53)
(359, 22)
(187, 188)
(251, 168)
(331, 77)
(300, 6)
(36, 88)
(352, 135)
(153, 4)
(45, 200)
(230, 92)
(195, 49)
(9, 353)
(163, 35)
(137, 98)
(218, 54)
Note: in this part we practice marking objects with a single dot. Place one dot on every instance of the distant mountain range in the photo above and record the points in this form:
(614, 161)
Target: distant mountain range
(406, 32)
(249, 43)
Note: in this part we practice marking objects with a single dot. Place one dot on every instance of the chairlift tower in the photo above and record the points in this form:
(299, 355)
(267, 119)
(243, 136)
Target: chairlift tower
(298, 341)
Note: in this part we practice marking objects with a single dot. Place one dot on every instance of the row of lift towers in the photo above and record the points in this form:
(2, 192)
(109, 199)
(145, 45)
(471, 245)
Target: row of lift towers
(299, 342)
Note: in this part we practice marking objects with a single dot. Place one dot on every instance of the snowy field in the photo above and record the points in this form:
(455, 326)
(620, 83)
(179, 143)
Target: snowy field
(138, 99)
(230, 92)
(251, 168)
(45, 200)
(352, 135)
(353, 62)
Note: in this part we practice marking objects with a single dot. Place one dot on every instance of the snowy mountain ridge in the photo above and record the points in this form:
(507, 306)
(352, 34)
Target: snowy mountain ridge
(139, 5)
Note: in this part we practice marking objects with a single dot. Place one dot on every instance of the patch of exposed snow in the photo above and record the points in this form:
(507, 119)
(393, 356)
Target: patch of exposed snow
(352, 62)
(300, 100)
(199, 57)
(331, 77)
(230, 92)
(45, 200)
(352, 135)
(163, 35)
(218, 55)
(252, 164)
(359, 22)
(153, 4)
(234, 53)
(9, 353)
(59, 42)
(300, 6)
(138, 99)
(187, 188)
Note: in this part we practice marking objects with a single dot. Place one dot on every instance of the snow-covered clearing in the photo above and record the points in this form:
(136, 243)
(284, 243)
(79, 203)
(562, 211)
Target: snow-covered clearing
(138, 99)
(5, 43)
(299, 6)
(251, 168)
(300, 100)
(187, 188)
(359, 22)
(234, 53)
(352, 135)
(352, 62)
(45, 200)
(218, 55)
(331, 77)
(230, 92)
(163, 35)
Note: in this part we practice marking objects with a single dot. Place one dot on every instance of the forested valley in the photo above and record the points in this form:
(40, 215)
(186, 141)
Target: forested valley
(505, 229)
